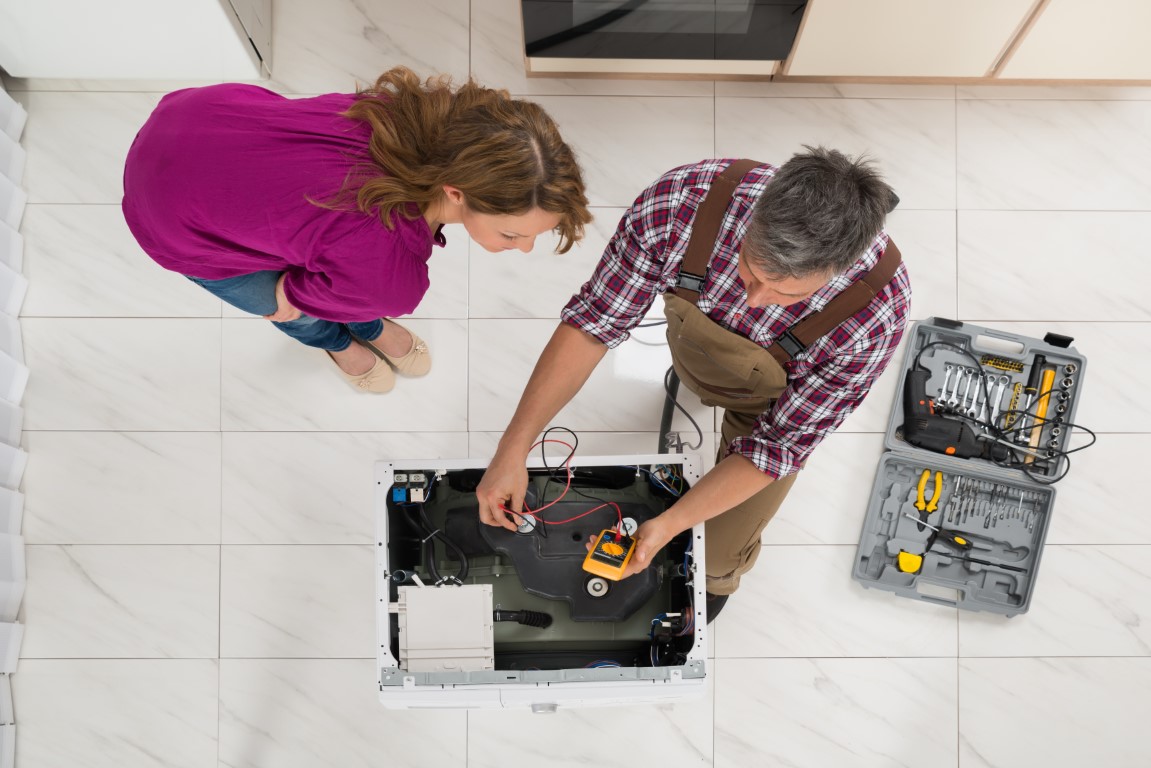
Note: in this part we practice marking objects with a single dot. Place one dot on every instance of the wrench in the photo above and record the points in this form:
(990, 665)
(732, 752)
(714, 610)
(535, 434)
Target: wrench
(1003, 381)
(953, 400)
(967, 389)
(971, 410)
(950, 369)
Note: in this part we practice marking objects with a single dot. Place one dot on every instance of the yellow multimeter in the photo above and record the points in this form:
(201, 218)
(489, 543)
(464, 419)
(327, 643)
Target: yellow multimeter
(609, 555)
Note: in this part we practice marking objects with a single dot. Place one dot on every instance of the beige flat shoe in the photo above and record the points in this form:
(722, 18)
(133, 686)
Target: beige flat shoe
(417, 362)
(380, 379)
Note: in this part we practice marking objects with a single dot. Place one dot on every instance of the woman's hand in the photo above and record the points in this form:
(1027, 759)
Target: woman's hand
(285, 312)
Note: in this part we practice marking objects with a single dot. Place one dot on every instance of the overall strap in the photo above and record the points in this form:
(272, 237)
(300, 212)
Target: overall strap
(705, 229)
(857, 296)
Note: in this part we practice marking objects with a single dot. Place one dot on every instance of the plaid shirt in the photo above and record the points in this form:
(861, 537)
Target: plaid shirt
(824, 384)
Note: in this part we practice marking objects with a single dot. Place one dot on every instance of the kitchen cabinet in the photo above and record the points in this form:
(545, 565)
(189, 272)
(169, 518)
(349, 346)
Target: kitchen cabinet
(904, 38)
(136, 39)
(1085, 39)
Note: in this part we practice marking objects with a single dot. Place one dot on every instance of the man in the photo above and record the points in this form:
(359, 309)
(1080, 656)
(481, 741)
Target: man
(748, 274)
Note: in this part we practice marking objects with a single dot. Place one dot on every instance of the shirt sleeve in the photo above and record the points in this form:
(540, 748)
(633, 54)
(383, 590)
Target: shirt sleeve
(817, 401)
(632, 272)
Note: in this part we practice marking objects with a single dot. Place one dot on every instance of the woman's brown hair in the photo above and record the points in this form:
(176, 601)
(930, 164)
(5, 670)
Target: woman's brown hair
(506, 155)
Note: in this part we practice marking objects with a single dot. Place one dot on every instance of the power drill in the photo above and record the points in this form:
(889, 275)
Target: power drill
(924, 428)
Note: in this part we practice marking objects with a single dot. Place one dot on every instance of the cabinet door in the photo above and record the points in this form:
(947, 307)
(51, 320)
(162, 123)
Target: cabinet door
(1086, 39)
(904, 38)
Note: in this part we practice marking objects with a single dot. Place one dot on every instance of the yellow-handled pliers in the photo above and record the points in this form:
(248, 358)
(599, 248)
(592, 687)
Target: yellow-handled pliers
(924, 506)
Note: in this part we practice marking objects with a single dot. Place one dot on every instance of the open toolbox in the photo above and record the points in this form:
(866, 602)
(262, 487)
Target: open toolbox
(963, 498)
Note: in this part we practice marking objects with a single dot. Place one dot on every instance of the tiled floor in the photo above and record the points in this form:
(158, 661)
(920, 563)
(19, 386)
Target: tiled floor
(199, 498)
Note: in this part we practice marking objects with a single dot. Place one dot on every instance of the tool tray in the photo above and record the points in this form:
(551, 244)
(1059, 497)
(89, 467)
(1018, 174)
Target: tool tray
(999, 503)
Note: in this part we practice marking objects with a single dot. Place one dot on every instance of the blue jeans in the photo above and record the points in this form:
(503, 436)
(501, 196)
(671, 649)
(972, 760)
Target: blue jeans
(256, 293)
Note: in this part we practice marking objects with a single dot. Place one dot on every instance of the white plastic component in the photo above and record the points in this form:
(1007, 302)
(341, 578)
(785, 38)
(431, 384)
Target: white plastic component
(13, 288)
(12, 158)
(446, 629)
(597, 586)
(6, 717)
(11, 636)
(13, 378)
(12, 115)
(11, 244)
(630, 526)
(12, 202)
(11, 510)
(11, 423)
(13, 461)
(527, 523)
(12, 576)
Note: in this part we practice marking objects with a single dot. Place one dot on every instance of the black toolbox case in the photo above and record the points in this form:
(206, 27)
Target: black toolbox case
(989, 502)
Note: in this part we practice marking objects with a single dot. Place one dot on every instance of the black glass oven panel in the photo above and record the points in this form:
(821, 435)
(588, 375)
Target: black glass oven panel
(757, 30)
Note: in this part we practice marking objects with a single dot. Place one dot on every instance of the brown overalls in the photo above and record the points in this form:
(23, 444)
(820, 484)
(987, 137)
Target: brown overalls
(732, 372)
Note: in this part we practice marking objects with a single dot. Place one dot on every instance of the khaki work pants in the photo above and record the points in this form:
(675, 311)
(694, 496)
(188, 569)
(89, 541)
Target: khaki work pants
(731, 372)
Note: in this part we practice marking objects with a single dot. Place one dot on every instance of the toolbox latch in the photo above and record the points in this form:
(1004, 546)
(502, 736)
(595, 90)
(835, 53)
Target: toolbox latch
(1058, 340)
(944, 322)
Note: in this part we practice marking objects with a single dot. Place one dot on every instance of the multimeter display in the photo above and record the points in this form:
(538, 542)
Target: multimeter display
(610, 555)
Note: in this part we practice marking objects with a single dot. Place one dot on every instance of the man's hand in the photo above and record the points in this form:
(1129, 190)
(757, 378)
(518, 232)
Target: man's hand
(504, 483)
(651, 537)
(285, 312)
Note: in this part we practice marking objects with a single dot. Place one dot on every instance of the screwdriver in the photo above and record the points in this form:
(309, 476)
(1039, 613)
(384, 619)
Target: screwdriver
(951, 537)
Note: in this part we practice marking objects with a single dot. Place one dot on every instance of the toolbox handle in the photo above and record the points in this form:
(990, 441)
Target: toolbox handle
(950, 587)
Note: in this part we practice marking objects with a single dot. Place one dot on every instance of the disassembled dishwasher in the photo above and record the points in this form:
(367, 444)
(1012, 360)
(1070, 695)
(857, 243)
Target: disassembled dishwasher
(471, 615)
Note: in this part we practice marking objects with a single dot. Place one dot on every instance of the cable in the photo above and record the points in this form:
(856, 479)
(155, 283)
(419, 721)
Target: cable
(1012, 460)
(675, 402)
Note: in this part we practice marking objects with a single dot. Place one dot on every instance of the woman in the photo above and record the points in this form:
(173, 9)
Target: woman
(320, 213)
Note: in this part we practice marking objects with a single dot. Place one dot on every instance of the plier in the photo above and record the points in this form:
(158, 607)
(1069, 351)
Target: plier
(924, 506)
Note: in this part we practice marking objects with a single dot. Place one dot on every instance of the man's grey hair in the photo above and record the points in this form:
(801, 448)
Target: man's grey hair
(817, 215)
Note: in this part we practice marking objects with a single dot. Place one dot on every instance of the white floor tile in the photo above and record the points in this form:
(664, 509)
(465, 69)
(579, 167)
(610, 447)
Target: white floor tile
(1076, 609)
(304, 713)
(123, 488)
(1053, 713)
(926, 240)
(624, 393)
(664, 734)
(847, 713)
(121, 602)
(449, 271)
(70, 253)
(1019, 265)
(1046, 155)
(267, 499)
(800, 601)
(297, 601)
(623, 144)
(912, 141)
(339, 46)
(540, 283)
(130, 713)
(828, 502)
(103, 373)
(272, 382)
(77, 143)
(1093, 505)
